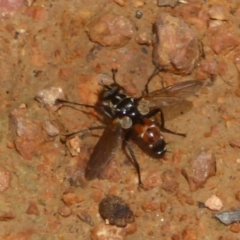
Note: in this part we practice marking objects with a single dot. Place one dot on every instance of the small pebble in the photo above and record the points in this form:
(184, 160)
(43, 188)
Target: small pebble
(64, 211)
(238, 196)
(115, 211)
(235, 227)
(47, 97)
(214, 203)
(228, 217)
(139, 14)
(86, 217)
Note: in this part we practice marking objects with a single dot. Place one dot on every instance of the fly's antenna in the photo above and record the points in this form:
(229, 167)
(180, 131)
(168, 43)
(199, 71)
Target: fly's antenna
(114, 72)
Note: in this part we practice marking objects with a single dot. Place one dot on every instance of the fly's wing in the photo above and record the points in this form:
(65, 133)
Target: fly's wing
(171, 95)
(104, 150)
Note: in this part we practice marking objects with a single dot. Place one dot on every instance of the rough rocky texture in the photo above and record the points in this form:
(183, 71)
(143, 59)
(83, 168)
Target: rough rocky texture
(169, 181)
(176, 46)
(5, 177)
(44, 44)
(110, 30)
(228, 217)
(47, 97)
(27, 134)
(200, 169)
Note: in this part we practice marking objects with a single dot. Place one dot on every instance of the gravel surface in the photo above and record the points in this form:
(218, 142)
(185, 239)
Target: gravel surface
(66, 49)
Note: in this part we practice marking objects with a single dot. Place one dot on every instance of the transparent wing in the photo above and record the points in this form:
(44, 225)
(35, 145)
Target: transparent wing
(171, 95)
(104, 150)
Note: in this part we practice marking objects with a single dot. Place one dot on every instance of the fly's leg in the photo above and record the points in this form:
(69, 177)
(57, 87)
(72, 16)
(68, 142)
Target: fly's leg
(162, 126)
(133, 158)
(81, 132)
(106, 110)
(155, 72)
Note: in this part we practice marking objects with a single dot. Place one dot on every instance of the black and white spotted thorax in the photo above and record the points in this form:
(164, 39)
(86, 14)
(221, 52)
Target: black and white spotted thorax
(118, 104)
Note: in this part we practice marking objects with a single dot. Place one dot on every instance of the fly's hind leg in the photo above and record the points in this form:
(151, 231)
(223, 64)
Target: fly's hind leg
(162, 125)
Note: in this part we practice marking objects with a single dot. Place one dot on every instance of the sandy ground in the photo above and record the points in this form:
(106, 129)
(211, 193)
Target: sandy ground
(44, 195)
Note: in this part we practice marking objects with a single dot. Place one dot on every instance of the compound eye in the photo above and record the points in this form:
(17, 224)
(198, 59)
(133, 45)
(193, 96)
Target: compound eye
(126, 122)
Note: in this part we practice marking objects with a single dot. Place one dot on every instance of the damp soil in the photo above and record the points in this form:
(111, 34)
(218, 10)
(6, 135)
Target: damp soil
(44, 44)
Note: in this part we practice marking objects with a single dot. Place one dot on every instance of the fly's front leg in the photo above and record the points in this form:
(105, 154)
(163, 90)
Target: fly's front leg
(162, 126)
(81, 132)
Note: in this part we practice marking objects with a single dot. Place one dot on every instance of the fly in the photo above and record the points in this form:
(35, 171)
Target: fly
(127, 116)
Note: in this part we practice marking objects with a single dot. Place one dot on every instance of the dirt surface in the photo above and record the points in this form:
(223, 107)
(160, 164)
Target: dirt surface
(48, 44)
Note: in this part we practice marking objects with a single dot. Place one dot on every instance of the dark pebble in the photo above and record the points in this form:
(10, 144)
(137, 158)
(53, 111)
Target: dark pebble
(116, 211)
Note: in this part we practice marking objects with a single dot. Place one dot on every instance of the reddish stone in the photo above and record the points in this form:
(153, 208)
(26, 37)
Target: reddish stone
(151, 181)
(169, 181)
(37, 13)
(238, 196)
(8, 7)
(64, 211)
(223, 39)
(5, 177)
(32, 209)
(71, 198)
(195, 14)
(176, 157)
(237, 92)
(97, 196)
(65, 73)
(235, 227)
(120, 2)
(183, 198)
(110, 30)
(26, 235)
(176, 237)
(235, 143)
(163, 206)
(27, 134)
(52, 155)
(150, 206)
(143, 38)
(200, 169)
(179, 55)
(189, 234)
(209, 66)
(6, 216)
(190, 201)
(219, 12)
